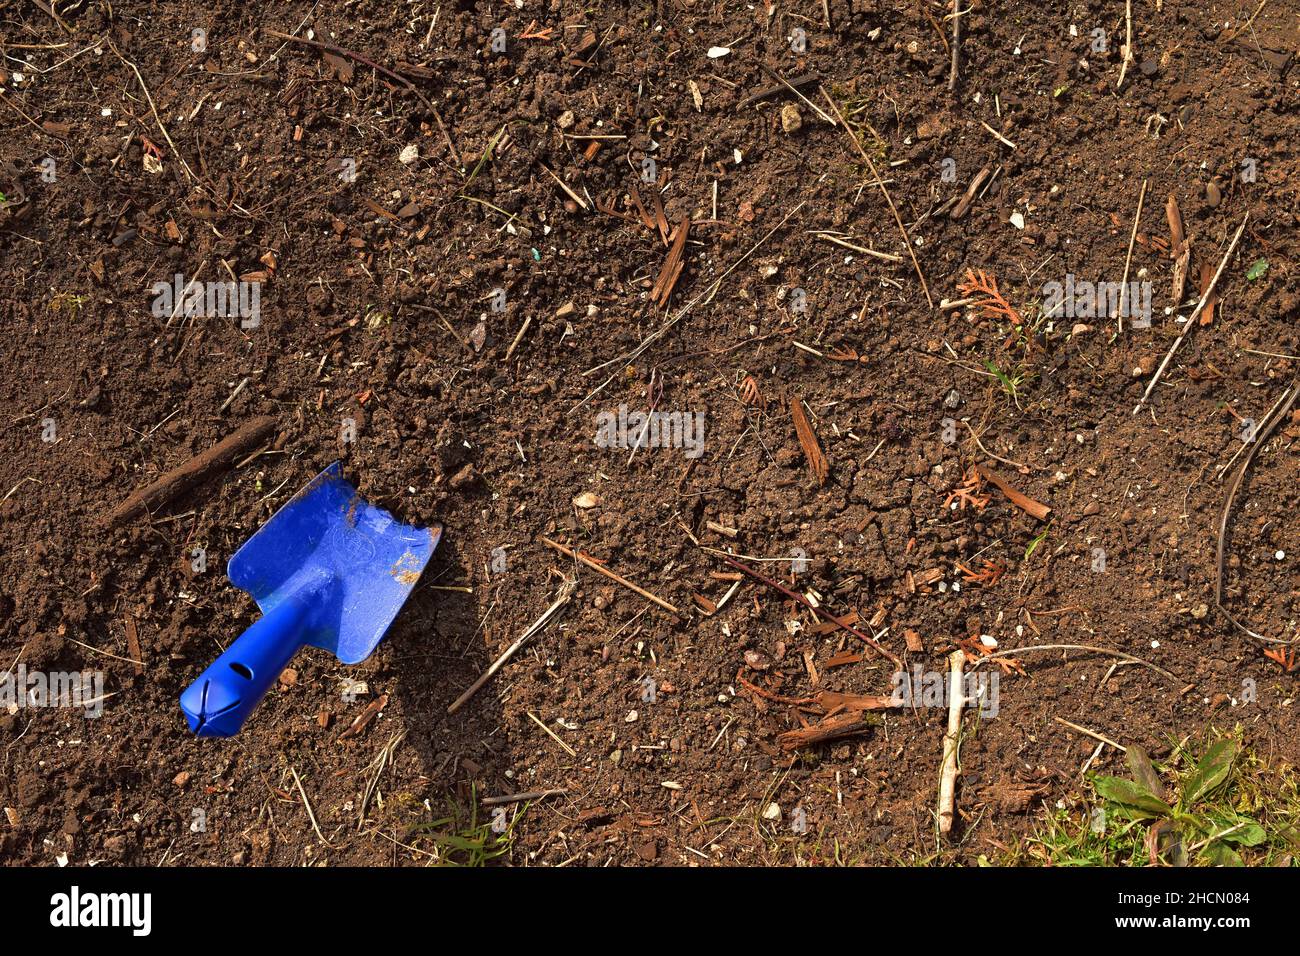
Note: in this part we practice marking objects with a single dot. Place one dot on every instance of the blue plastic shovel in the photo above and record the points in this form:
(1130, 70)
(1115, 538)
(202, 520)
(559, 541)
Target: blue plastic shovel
(327, 570)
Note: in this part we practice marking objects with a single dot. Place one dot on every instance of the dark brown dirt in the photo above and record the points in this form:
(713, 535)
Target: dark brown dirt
(372, 292)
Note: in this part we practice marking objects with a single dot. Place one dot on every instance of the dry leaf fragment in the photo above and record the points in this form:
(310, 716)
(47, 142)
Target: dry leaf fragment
(988, 299)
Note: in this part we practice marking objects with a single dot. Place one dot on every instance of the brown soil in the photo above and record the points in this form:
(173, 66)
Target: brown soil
(372, 292)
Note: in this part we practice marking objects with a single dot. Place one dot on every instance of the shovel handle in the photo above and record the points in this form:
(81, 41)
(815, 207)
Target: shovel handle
(218, 703)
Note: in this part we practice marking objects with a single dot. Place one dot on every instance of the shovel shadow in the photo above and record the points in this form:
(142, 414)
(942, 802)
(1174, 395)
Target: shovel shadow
(436, 651)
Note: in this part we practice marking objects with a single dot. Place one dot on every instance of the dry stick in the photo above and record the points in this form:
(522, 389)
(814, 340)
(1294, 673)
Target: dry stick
(1260, 439)
(157, 119)
(681, 313)
(1018, 498)
(956, 45)
(1191, 319)
(1247, 445)
(782, 80)
(879, 182)
(1092, 733)
(948, 767)
(1128, 42)
(352, 55)
(197, 469)
(597, 566)
(565, 186)
(522, 797)
(1079, 647)
(566, 592)
(307, 803)
(771, 90)
(821, 612)
(1002, 139)
(567, 749)
(48, 10)
(1128, 260)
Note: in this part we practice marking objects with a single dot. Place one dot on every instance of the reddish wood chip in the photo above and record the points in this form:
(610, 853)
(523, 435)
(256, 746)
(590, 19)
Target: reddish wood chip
(812, 450)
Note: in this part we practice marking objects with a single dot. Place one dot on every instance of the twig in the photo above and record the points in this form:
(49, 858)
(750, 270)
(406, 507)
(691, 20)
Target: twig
(956, 45)
(681, 313)
(352, 55)
(1006, 461)
(116, 657)
(565, 186)
(1020, 500)
(832, 728)
(154, 109)
(1242, 28)
(197, 469)
(597, 566)
(1092, 733)
(821, 612)
(782, 80)
(522, 797)
(566, 592)
(1260, 438)
(1128, 260)
(886, 256)
(951, 742)
(567, 749)
(1078, 647)
(233, 395)
(1191, 319)
(1247, 445)
(49, 10)
(879, 182)
(1000, 137)
(1128, 42)
(783, 85)
(307, 803)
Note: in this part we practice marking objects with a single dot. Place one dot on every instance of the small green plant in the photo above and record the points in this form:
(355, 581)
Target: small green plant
(1223, 807)
(1038, 539)
(1258, 270)
(463, 840)
(1011, 380)
(68, 301)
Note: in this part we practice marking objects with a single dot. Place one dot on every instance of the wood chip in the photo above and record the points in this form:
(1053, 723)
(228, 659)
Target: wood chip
(133, 644)
(365, 717)
(1180, 247)
(817, 462)
(672, 267)
(846, 724)
(1021, 501)
(1207, 276)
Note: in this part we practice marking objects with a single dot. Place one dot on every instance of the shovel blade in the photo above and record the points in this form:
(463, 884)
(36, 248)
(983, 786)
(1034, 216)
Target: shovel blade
(356, 561)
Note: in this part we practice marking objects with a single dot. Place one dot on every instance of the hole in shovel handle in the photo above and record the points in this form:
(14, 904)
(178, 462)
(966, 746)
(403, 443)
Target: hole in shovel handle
(241, 670)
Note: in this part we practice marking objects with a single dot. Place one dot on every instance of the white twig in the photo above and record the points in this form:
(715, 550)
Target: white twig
(566, 592)
(948, 768)
(1128, 42)
(1191, 319)
(1128, 260)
